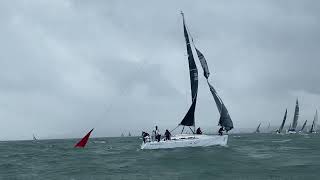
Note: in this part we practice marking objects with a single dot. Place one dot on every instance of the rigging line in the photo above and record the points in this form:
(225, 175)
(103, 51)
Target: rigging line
(174, 128)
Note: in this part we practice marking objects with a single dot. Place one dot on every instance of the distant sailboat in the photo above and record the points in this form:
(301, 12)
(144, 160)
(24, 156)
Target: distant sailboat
(34, 138)
(269, 125)
(258, 129)
(314, 123)
(122, 135)
(303, 126)
(129, 134)
(192, 140)
(292, 129)
(82, 143)
(283, 122)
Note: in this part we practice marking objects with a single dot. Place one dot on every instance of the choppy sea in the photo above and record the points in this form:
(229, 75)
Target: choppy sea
(247, 156)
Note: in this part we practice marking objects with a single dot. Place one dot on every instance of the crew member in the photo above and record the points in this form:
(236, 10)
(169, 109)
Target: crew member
(198, 131)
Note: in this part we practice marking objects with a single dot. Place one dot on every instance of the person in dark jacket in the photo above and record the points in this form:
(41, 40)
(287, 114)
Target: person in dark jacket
(221, 131)
(198, 131)
(167, 134)
(145, 135)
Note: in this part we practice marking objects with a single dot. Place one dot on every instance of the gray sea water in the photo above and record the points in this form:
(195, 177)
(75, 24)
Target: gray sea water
(247, 156)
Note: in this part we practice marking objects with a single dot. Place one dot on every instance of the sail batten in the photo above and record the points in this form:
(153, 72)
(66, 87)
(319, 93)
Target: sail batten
(189, 120)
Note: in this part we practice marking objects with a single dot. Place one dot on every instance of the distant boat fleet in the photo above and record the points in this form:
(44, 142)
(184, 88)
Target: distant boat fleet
(292, 129)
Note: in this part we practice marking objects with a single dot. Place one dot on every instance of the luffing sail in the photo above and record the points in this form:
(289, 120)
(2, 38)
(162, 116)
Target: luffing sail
(303, 126)
(188, 120)
(203, 63)
(283, 121)
(295, 118)
(225, 119)
(82, 143)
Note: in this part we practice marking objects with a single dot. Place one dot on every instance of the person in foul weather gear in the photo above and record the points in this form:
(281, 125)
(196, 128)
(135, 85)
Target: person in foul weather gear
(220, 131)
(167, 134)
(157, 134)
(198, 131)
(145, 136)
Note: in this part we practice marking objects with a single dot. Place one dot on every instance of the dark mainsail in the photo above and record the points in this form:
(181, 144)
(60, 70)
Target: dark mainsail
(295, 118)
(315, 120)
(303, 126)
(283, 121)
(188, 120)
(258, 129)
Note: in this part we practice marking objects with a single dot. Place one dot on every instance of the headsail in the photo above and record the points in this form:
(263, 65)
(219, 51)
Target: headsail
(82, 143)
(283, 121)
(314, 123)
(225, 119)
(258, 129)
(188, 120)
(203, 63)
(296, 116)
(303, 126)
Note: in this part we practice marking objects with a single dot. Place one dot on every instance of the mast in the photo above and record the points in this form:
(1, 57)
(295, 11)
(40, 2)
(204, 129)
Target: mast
(283, 121)
(295, 118)
(188, 119)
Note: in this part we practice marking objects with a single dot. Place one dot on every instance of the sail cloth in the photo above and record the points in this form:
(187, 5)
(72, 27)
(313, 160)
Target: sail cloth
(304, 125)
(82, 143)
(225, 119)
(258, 128)
(192, 64)
(283, 121)
(203, 63)
(188, 120)
(315, 120)
(296, 116)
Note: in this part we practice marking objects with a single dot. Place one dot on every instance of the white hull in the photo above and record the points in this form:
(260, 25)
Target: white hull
(291, 132)
(187, 140)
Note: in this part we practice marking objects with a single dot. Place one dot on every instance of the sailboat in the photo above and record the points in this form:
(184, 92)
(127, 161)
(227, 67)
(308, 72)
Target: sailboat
(193, 140)
(283, 122)
(292, 129)
(34, 138)
(258, 129)
(303, 126)
(129, 134)
(314, 123)
(82, 143)
(122, 135)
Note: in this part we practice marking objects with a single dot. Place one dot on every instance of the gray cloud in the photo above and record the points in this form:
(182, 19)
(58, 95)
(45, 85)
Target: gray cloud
(119, 66)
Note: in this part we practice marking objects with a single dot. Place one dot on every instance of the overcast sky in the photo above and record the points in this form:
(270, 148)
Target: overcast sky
(67, 66)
